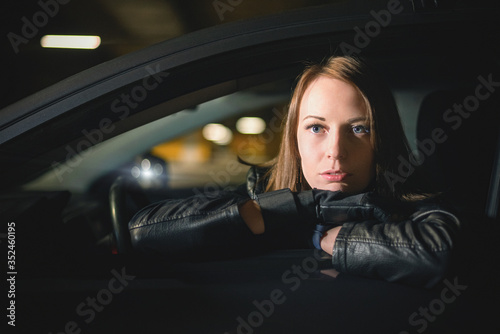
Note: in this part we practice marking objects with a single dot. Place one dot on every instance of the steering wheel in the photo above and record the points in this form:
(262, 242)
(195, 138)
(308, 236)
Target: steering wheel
(126, 197)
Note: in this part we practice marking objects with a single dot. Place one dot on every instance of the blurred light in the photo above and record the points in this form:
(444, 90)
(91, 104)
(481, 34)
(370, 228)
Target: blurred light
(251, 125)
(70, 41)
(136, 172)
(217, 133)
(145, 164)
(147, 174)
(214, 131)
(228, 137)
(158, 169)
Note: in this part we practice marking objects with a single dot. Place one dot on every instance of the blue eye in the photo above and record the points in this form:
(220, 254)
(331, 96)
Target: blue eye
(358, 129)
(315, 128)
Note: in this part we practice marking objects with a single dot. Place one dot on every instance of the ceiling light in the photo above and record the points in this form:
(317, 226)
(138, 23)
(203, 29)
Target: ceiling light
(217, 133)
(251, 125)
(70, 41)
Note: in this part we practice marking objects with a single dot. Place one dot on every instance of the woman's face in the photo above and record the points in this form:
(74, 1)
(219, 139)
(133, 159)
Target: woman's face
(333, 137)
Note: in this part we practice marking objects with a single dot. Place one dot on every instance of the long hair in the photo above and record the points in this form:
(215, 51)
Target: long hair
(386, 132)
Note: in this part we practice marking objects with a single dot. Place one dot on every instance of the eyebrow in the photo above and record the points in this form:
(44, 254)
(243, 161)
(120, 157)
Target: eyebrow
(350, 120)
(357, 119)
(312, 116)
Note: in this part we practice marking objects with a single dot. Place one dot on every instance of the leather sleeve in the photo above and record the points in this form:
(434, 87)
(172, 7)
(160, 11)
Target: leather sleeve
(198, 227)
(414, 251)
(210, 227)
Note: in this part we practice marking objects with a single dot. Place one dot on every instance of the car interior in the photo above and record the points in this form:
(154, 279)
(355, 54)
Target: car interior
(82, 157)
(171, 158)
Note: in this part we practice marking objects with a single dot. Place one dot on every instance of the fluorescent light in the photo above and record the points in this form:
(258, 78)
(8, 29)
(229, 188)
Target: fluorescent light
(70, 41)
(217, 133)
(251, 125)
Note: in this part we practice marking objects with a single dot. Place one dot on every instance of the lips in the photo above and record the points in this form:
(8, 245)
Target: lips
(334, 175)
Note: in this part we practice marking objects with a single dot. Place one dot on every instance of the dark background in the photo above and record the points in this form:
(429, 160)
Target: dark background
(123, 25)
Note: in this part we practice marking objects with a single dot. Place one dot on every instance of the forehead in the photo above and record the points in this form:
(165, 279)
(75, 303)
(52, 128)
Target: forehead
(329, 96)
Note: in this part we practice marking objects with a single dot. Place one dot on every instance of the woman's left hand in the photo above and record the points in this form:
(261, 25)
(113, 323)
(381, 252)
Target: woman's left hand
(328, 240)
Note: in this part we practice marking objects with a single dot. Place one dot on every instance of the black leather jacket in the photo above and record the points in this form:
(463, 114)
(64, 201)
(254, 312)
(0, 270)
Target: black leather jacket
(415, 249)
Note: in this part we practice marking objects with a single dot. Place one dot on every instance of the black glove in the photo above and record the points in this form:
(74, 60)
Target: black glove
(335, 207)
(284, 208)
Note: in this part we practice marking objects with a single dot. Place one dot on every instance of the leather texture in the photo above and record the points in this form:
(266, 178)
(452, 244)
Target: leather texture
(410, 243)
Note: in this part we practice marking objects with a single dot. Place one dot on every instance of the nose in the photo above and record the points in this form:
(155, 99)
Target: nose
(336, 149)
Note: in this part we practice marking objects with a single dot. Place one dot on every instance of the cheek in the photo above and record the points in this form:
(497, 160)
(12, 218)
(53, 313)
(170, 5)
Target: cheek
(303, 153)
(309, 156)
(306, 150)
(363, 156)
(363, 152)
(300, 146)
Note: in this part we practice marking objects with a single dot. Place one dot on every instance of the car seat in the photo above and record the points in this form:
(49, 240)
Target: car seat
(461, 166)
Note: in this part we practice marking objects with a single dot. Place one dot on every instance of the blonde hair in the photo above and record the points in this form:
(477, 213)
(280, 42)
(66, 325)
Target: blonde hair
(387, 135)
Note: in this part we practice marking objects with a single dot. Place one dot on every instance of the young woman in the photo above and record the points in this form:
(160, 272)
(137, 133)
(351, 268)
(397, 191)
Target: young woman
(334, 185)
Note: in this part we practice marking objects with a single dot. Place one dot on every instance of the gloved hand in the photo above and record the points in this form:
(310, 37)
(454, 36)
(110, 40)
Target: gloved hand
(283, 208)
(337, 207)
